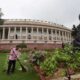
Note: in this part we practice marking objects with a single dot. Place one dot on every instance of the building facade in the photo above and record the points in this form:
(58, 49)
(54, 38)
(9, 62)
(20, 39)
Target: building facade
(35, 33)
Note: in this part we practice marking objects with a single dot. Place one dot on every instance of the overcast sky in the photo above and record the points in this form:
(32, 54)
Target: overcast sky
(63, 12)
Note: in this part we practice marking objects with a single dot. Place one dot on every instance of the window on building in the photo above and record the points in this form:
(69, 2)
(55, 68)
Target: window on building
(16, 36)
(67, 34)
(45, 30)
(18, 29)
(29, 37)
(12, 29)
(29, 29)
(50, 38)
(40, 30)
(23, 29)
(1, 31)
(34, 30)
(49, 30)
(61, 33)
(6, 33)
(53, 31)
(57, 32)
(64, 33)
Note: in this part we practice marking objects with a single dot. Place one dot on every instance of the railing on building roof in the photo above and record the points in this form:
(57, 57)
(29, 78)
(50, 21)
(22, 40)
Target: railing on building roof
(34, 21)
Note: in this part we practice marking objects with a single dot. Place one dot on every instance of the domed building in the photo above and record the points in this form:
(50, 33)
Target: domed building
(34, 33)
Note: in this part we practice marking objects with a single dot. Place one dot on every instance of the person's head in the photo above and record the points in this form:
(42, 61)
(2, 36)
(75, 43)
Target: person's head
(18, 48)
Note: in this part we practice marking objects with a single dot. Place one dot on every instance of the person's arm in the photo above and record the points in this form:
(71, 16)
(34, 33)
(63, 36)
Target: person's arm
(17, 54)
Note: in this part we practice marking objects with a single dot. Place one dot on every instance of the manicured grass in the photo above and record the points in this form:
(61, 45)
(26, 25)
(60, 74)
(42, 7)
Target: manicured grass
(18, 75)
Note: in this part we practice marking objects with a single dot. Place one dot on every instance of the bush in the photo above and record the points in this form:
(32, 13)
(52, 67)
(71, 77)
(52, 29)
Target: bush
(49, 66)
(22, 45)
(4, 51)
(61, 58)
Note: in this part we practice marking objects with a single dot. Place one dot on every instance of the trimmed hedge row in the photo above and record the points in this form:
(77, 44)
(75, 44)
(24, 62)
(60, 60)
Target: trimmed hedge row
(4, 51)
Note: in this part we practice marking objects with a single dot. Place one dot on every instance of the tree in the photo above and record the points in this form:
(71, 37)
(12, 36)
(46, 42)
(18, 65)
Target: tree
(1, 20)
(76, 35)
(79, 16)
(74, 31)
(22, 46)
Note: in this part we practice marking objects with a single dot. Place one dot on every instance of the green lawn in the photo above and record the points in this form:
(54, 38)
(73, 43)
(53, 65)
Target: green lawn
(18, 75)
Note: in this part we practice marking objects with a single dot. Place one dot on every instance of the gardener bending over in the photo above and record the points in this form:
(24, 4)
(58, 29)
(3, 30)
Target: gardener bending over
(13, 55)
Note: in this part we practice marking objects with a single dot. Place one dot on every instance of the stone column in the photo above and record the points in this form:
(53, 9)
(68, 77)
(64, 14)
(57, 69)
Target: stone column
(9, 33)
(37, 32)
(32, 30)
(59, 33)
(59, 36)
(20, 32)
(26, 33)
(47, 35)
(3, 35)
(66, 36)
(62, 37)
(56, 34)
(51, 35)
(42, 34)
(55, 41)
(32, 33)
(14, 32)
(70, 37)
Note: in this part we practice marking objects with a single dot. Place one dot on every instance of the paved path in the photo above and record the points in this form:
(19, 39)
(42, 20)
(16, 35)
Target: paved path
(77, 76)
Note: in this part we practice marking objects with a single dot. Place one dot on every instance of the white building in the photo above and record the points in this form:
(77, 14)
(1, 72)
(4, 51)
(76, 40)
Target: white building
(34, 33)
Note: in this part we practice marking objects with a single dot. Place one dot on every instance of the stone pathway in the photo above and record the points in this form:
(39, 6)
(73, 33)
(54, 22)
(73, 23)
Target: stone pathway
(77, 76)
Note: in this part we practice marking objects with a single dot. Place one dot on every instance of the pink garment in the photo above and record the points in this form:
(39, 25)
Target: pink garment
(13, 54)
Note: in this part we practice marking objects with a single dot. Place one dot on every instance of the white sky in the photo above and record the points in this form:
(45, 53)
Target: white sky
(63, 12)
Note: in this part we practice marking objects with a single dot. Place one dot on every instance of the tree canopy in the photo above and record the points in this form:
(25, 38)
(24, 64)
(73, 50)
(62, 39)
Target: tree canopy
(1, 20)
(76, 35)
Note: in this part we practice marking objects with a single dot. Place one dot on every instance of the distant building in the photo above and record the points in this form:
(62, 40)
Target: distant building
(35, 33)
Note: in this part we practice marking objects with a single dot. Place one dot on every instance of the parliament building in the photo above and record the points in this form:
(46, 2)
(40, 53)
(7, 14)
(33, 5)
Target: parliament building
(34, 33)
